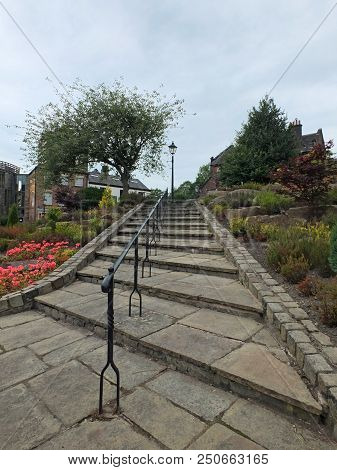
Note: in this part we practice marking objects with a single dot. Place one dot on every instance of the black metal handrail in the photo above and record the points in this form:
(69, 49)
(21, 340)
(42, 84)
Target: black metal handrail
(153, 218)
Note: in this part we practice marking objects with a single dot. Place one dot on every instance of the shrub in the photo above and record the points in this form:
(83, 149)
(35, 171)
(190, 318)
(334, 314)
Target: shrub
(238, 226)
(240, 198)
(90, 197)
(307, 286)
(331, 197)
(68, 196)
(294, 269)
(108, 201)
(273, 203)
(131, 199)
(261, 231)
(326, 292)
(53, 215)
(329, 218)
(3, 220)
(70, 230)
(207, 199)
(4, 242)
(95, 225)
(13, 215)
(252, 185)
(13, 232)
(218, 209)
(308, 176)
(333, 249)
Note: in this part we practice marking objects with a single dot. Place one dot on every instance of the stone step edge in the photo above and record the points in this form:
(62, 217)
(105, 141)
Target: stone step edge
(188, 249)
(193, 235)
(221, 306)
(206, 373)
(285, 314)
(190, 268)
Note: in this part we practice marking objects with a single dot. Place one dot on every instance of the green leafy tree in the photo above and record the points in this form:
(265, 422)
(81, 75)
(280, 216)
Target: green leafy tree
(13, 215)
(53, 215)
(91, 197)
(203, 175)
(264, 141)
(333, 249)
(117, 127)
(185, 191)
(107, 201)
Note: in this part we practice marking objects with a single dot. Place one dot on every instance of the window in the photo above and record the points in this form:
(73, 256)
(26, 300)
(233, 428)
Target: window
(48, 198)
(64, 180)
(79, 181)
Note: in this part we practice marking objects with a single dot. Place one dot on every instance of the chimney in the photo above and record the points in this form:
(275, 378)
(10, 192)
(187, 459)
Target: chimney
(297, 126)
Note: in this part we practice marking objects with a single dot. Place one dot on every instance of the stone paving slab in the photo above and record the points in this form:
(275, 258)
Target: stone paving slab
(198, 346)
(116, 434)
(24, 422)
(19, 318)
(136, 368)
(197, 397)
(254, 365)
(272, 430)
(220, 437)
(19, 365)
(70, 351)
(222, 324)
(70, 391)
(48, 345)
(21, 335)
(162, 419)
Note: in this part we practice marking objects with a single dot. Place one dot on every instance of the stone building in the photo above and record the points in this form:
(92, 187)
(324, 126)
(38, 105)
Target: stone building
(213, 181)
(99, 180)
(8, 186)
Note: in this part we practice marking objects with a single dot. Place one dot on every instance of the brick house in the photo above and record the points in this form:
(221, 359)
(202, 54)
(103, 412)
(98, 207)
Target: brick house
(213, 181)
(38, 199)
(8, 186)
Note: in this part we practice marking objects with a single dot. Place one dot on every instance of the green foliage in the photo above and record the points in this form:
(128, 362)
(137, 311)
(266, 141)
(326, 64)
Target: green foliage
(4, 242)
(155, 194)
(326, 292)
(331, 197)
(262, 231)
(108, 201)
(70, 230)
(219, 209)
(13, 215)
(262, 143)
(207, 199)
(53, 215)
(294, 269)
(273, 203)
(3, 221)
(185, 191)
(131, 199)
(91, 197)
(333, 249)
(203, 175)
(95, 225)
(117, 127)
(252, 185)
(238, 226)
(329, 218)
(239, 198)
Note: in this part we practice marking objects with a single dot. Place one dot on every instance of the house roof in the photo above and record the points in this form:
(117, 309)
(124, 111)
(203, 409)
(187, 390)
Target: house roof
(218, 159)
(95, 177)
(309, 140)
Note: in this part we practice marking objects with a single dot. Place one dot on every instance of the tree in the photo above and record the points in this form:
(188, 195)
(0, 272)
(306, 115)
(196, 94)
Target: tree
(264, 141)
(203, 175)
(68, 197)
(53, 215)
(90, 197)
(118, 127)
(107, 201)
(13, 215)
(185, 191)
(308, 176)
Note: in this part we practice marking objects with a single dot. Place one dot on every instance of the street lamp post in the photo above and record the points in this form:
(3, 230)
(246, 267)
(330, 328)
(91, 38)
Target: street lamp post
(173, 149)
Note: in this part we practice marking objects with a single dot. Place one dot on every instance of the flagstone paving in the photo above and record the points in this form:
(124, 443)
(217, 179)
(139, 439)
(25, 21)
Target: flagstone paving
(199, 369)
(55, 407)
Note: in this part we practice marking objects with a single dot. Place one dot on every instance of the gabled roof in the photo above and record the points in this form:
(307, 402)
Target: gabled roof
(309, 140)
(95, 177)
(218, 159)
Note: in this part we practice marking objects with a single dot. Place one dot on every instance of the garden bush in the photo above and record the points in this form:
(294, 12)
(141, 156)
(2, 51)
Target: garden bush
(262, 231)
(53, 215)
(238, 226)
(13, 215)
(329, 218)
(218, 209)
(3, 220)
(333, 249)
(131, 199)
(240, 198)
(207, 199)
(70, 230)
(331, 197)
(252, 185)
(273, 203)
(4, 242)
(326, 292)
(307, 286)
(294, 269)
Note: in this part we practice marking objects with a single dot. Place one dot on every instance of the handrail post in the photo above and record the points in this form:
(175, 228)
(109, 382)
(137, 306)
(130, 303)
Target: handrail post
(135, 282)
(147, 242)
(110, 356)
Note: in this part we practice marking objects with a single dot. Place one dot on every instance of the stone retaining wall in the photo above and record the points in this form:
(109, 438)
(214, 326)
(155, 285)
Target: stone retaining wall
(311, 348)
(64, 274)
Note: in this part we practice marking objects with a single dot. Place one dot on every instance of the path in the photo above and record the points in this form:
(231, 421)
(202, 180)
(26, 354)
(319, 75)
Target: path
(236, 386)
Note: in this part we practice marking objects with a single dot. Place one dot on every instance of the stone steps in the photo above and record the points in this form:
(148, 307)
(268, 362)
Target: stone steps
(227, 351)
(213, 265)
(220, 293)
(201, 234)
(191, 245)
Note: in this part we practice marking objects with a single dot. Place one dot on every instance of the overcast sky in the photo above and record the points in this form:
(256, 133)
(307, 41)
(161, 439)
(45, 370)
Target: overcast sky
(220, 56)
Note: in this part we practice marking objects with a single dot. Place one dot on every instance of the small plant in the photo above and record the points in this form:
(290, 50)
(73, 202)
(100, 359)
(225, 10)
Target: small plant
(262, 231)
(252, 185)
(273, 203)
(329, 218)
(307, 286)
(218, 209)
(4, 242)
(207, 199)
(238, 226)
(13, 215)
(108, 201)
(95, 225)
(294, 269)
(326, 292)
(53, 215)
(333, 249)
(70, 230)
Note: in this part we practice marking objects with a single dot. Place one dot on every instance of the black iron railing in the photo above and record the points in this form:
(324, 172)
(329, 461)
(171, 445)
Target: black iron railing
(151, 225)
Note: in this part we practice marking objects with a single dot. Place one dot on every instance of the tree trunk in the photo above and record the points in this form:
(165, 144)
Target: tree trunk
(125, 182)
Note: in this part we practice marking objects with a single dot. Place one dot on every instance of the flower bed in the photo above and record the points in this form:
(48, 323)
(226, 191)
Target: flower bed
(38, 260)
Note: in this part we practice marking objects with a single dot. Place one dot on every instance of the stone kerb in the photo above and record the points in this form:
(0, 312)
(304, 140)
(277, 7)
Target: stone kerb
(64, 274)
(306, 344)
